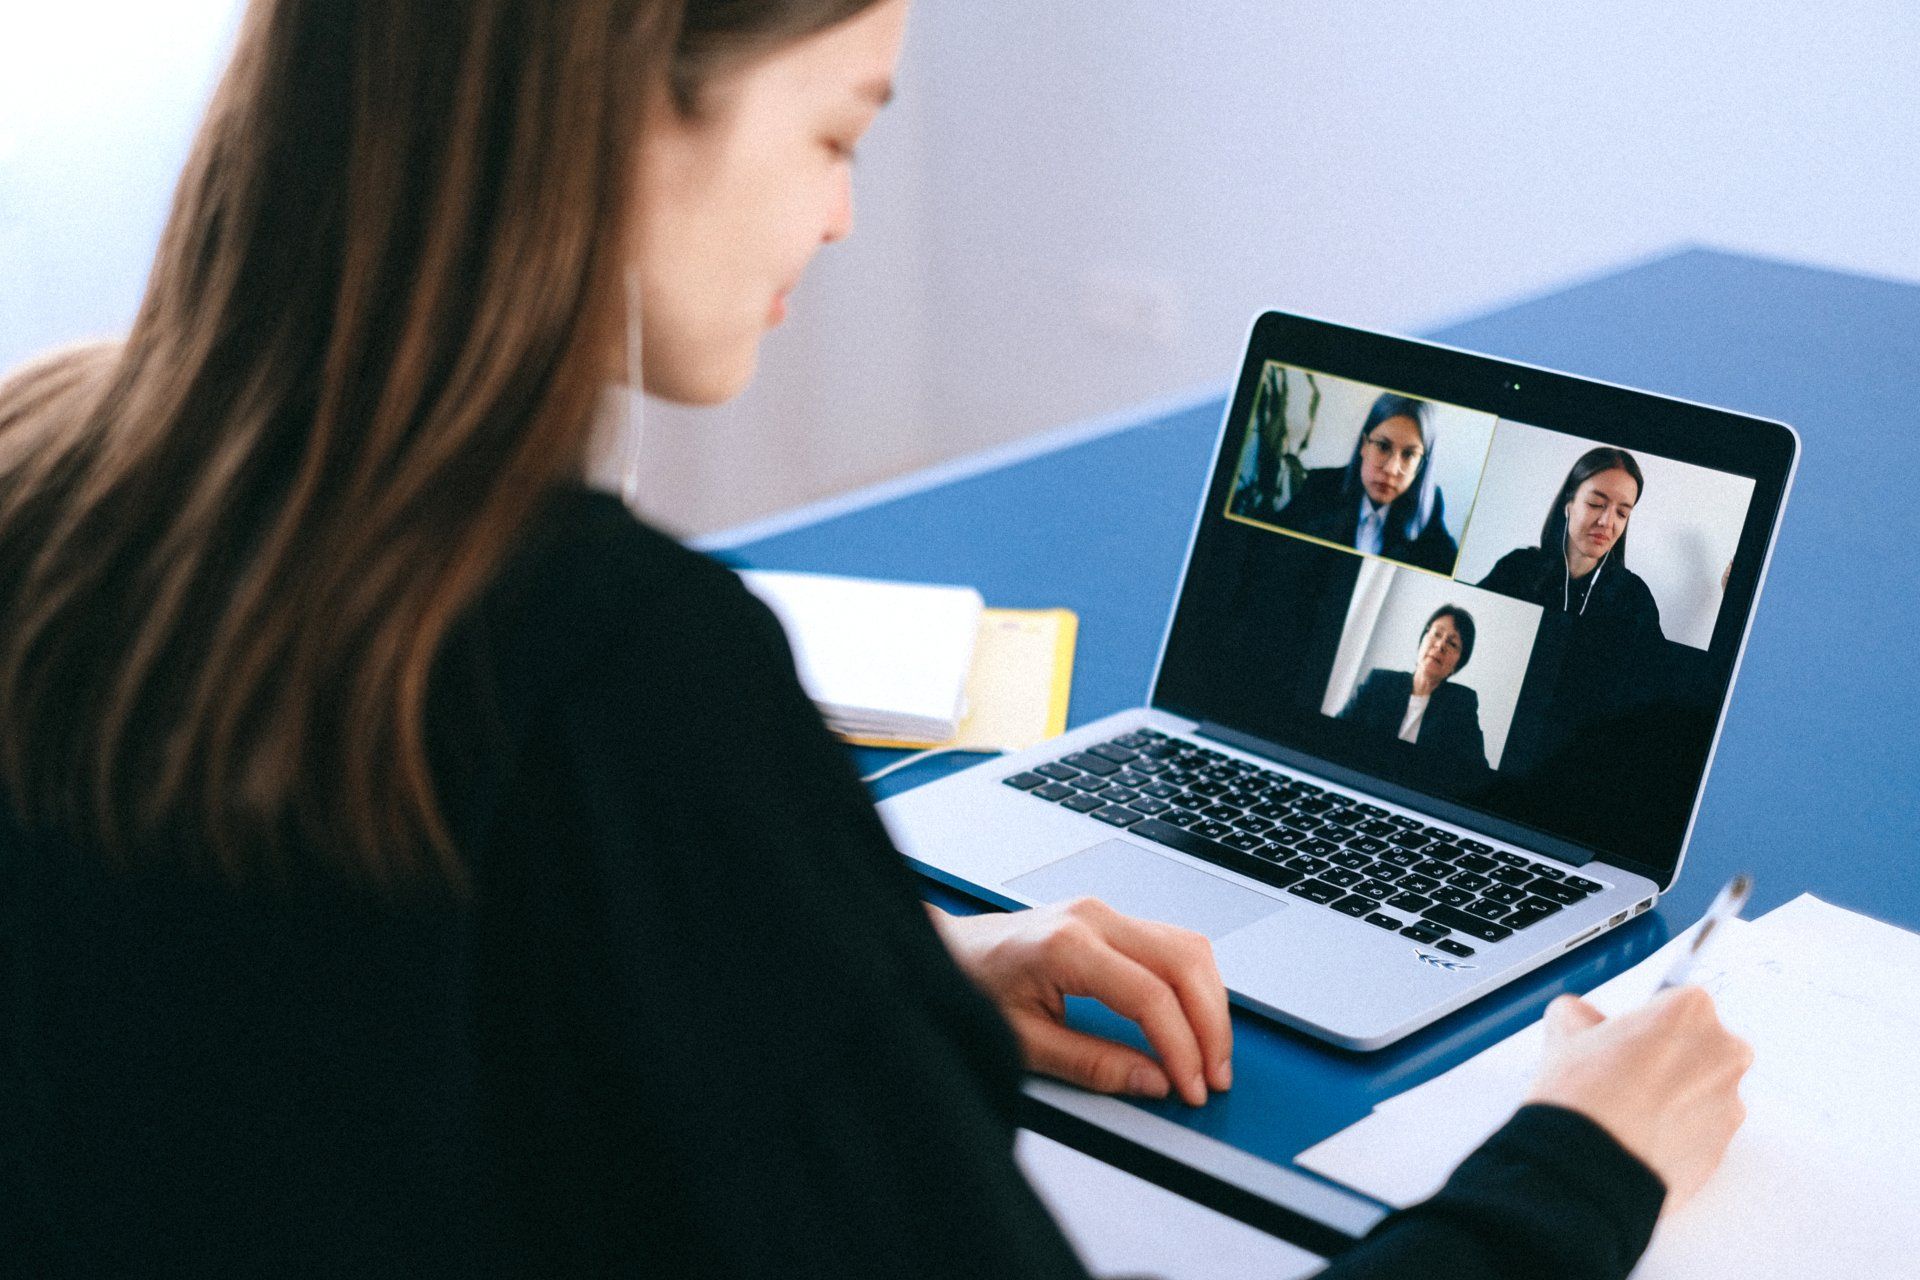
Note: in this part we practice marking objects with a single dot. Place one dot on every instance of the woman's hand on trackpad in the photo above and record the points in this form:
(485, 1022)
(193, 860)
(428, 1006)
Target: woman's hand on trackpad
(1161, 976)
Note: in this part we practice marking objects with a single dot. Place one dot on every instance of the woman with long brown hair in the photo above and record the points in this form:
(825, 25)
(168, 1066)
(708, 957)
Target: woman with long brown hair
(410, 863)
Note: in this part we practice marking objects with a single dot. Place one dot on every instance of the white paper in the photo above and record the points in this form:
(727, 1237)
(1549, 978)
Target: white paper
(880, 659)
(1823, 1179)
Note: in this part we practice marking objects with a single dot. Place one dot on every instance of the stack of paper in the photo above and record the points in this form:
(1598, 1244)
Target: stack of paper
(1820, 1180)
(880, 659)
(1017, 691)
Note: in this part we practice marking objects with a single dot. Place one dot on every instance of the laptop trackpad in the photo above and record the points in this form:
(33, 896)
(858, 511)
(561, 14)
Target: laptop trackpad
(1139, 882)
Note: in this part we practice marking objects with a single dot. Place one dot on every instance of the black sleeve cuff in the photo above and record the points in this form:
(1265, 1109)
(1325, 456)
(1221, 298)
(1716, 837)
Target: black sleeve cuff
(1550, 1194)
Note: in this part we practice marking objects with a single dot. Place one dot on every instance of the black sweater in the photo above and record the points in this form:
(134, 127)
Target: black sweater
(692, 1021)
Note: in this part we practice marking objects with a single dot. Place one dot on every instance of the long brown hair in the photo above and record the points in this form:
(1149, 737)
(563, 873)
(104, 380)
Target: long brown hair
(232, 546)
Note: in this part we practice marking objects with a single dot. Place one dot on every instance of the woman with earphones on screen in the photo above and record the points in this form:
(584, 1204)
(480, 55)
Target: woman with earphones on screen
(1580, 567)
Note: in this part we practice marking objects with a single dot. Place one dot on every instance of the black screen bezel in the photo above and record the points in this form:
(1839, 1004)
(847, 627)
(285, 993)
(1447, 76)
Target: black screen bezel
(1759, 449)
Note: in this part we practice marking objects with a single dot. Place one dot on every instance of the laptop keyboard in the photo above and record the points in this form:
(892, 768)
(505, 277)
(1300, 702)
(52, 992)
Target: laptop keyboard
(1390, 870)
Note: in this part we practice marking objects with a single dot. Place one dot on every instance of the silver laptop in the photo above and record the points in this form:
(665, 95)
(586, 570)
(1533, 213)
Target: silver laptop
(1439, 693)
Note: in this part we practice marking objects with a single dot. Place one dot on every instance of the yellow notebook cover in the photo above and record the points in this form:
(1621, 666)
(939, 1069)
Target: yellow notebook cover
(1017, 690)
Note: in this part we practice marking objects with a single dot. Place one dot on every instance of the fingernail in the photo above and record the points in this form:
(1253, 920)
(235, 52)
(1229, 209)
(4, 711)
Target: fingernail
(1225, 1073)
(1198, 1091)
(1147, 1082)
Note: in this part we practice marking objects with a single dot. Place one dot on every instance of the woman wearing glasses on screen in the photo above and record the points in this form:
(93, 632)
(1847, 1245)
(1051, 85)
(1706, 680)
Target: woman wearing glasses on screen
(1384, 502)
(411, 863)
(1580, 567)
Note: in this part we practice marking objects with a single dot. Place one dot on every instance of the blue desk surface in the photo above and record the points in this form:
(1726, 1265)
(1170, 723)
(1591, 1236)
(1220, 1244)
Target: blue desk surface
(1816, 786)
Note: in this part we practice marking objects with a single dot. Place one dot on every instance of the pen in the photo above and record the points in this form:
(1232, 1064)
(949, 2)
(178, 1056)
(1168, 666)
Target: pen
(1725, 907)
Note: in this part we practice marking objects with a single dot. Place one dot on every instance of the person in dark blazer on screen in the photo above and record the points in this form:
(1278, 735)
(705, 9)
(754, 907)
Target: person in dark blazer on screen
(1424, 706)
(1385, 501)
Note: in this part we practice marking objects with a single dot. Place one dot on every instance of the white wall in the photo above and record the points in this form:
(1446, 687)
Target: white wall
(1078, 205)
(1681, 538)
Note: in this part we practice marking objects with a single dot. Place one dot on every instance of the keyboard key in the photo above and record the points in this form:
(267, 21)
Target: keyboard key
(1242, 798)
(1556, 891)
(1091, 763)
(1366, 844)
(1209, 788)
(1054, 769)
(1371, 810)
(1214, 852)
(1115, 752)
(1409, 902)
(1151, 767)
(1487, 910)
(1118, 816)
(1313, 804)
(1307, 788)
(1583, 885)
(1386, 871)
(1381, 920)
(1083, 804)
(1402, 820)
(1511, 859)
(1511, 875)
(1181, 818)
(1319, 848)
(1409, 839)
(1414, 882)
(1311, 866)
(1401, 858)
(1425, 931)
(1378, 828)
(1087, 782)
(1220, 812)
(1476, 846)
(1025, 781)
(1053, 791)
(1160, 790)
(1471, 925)
(1452, 896)
(1148, 805)
(1128, 778)
(1135, 740)
(1341, 876)
(1454, 947)
(1353, 906)
(1532, 911)
(1434, 867)
(1378, 890)
(1316, 891)
(1507, 894)
(1249, 822)
(1119, 795)
(1551, 873)
(1244, 841)
(1283, 836)
(1352, 861)
(1469, 880)
(1211, 830)
(1474, 862)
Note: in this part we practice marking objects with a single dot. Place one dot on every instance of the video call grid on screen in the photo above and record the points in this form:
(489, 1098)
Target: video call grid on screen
(1688, 518)
(1352, 637)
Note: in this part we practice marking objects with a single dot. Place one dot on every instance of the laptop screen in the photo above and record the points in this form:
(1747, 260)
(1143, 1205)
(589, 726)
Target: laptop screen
(1514, 596)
